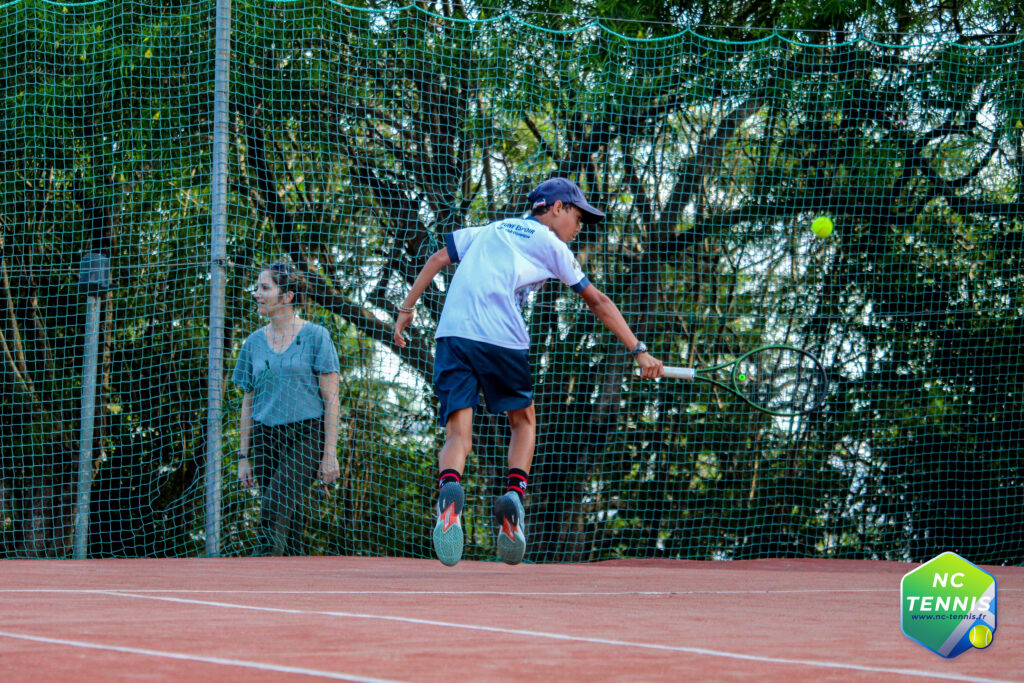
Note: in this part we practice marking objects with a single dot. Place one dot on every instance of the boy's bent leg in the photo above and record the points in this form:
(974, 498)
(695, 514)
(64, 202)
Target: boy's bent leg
(508, 509)
(458, 440)
(447, 536)
(524, 438)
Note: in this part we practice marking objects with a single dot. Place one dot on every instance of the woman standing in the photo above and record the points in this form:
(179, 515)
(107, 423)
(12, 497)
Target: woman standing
(289, 372)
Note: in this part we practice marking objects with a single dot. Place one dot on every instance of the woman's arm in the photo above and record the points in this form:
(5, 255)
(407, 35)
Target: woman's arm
(329, 468)
(438, 260)
(245, 443)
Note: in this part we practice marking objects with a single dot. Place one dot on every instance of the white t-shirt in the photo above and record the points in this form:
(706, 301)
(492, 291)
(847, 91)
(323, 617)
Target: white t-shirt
(499, 266)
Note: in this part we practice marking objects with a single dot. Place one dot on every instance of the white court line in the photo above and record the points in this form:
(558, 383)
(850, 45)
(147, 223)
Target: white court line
(196, 658)
(579, 639)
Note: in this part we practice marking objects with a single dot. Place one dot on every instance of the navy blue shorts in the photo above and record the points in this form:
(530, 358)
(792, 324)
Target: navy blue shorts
(463, 368)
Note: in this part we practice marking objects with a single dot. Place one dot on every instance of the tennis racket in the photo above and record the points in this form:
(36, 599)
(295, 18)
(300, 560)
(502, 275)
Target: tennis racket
(777, 380)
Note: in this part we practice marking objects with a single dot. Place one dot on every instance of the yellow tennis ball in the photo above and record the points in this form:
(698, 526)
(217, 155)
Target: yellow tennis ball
(980, 636)
(822, 226)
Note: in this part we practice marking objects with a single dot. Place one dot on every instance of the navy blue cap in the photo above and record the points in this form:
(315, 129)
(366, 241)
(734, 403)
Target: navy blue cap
(566, 191)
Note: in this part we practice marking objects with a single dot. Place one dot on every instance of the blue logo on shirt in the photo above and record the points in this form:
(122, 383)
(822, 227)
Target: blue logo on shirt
(519, 230)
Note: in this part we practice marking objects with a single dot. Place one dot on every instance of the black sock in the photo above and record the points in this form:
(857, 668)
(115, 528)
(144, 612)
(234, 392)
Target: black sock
(517, 480)
(447, 476)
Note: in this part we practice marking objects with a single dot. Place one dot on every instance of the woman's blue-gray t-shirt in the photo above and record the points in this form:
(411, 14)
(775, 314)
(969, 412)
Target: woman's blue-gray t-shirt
(286, 386)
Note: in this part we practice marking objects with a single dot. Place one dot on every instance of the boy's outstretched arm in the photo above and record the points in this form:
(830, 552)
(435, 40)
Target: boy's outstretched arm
(438, 260)
(608, 313)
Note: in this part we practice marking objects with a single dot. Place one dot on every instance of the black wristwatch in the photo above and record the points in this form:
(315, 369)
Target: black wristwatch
(638, 349)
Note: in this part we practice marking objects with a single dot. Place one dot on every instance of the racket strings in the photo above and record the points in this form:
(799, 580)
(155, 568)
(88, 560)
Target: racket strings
(785, 381)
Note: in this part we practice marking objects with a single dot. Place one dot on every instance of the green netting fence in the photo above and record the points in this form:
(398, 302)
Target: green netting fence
(357, 139)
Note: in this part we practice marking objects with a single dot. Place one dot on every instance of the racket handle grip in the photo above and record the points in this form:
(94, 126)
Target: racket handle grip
(680, 373)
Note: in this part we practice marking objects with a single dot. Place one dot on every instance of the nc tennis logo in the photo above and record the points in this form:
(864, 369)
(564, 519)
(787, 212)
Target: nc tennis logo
(949, 605)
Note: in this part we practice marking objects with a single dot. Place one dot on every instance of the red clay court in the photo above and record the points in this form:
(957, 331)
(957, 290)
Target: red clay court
(370, 619)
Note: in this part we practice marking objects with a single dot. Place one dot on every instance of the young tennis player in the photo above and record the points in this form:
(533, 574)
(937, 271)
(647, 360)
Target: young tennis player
(482, 345)
(289, 431)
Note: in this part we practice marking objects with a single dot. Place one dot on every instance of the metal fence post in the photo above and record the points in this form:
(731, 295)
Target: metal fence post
(94, 279)
(218, 260)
